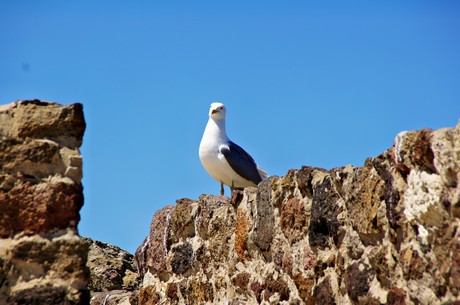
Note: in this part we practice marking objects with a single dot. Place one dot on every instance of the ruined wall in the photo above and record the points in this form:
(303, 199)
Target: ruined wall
(384, 233)
(42, 258)
(113, 274)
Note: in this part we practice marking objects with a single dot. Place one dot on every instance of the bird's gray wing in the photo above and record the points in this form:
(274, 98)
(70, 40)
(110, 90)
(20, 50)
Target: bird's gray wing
(241, 162)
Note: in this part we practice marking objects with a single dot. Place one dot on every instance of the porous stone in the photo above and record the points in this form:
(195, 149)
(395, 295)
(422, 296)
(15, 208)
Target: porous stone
(387, 232)
(323, 227)
(110, 267)
(264, 219)
(44, 269)
(42, 258)
(38, 119)
(182, 258)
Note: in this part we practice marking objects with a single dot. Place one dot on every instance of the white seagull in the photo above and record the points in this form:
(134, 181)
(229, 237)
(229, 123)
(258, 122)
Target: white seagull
(225, 161)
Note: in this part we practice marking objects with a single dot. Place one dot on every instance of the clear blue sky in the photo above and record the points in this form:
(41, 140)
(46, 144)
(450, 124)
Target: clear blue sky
(324, 83)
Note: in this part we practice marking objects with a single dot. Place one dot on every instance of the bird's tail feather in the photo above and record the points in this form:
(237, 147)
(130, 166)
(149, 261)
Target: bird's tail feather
(263, 174)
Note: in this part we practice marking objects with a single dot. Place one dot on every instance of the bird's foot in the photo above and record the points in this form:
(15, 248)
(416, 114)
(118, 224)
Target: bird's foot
(237, 196)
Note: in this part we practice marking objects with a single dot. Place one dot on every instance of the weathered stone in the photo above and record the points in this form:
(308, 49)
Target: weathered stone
(38, 139)
(422, 199)
(111, 268)
(172, 292)
(43, 260)
(396, 296)
(39, 208)
(149, 295)
(323, 292)
(454, 274)
(223, 216)
(37, 158)
(358, 280)
(413, 264)
(412, 150)
(46, 294)
(387, 232)
(241, 234)
(198, 292)
(151, 256)
(114, 297)
(182, 258)
(264, 219)
(304, 286)
(323, 220)
(276, 286)
(181, 221)
(208, 204)
(294, 219)
(444, 144)
(40, 269)
(241, 280)
(257, 289)
(287, 263)
(39, 119)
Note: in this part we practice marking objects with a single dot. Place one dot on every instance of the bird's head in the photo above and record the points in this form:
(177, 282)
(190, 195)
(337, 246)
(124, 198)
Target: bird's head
(217, 111)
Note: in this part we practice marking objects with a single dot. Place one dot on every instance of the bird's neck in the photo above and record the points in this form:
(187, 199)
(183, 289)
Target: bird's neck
(216, 128)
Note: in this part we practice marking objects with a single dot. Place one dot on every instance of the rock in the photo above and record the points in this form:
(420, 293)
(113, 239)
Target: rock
(44, 269)
(42, 258)
(114, 297)
(387, 232)
(40, 167)
(264, 219)
(111, 268)
(324, 224)
(40, 207)
(113, 275)
(182, 258)
(37, 119)
(152, 254)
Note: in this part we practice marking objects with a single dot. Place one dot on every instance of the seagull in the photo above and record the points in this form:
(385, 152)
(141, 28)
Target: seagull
(224, 160)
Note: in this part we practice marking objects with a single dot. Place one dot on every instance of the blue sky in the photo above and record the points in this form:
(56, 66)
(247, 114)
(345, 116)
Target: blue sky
(313, 83)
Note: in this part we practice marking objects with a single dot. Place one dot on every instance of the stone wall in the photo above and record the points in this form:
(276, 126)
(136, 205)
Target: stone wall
(113, 274)
(384, 233)
(42, 258)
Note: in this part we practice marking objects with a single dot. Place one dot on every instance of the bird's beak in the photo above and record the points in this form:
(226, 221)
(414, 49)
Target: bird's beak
(214, 111)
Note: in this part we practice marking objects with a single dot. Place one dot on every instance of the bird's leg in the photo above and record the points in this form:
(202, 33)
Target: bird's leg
(232, 188)
(222, 189)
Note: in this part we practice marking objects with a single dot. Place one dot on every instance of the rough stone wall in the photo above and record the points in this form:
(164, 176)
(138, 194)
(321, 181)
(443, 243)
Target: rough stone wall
(113, 275)
(42, 258)
(384, 233)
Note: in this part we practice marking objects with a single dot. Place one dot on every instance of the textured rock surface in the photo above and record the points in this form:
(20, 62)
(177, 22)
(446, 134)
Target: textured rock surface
(111, 268)
(384, 233)
(113, 275)
(40, 167)
(42, 258)
(43, 269)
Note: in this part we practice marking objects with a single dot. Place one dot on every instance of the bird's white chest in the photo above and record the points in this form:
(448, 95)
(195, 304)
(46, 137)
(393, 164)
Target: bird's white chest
(213, 138)
(213, 161)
